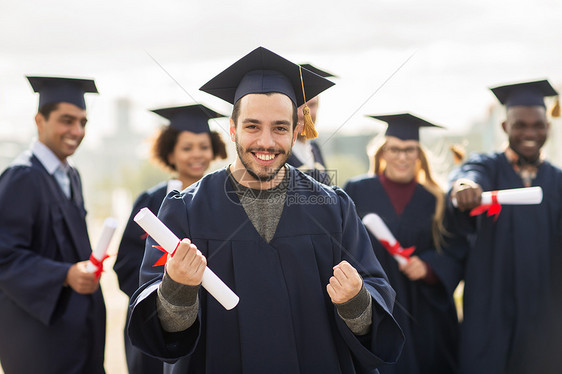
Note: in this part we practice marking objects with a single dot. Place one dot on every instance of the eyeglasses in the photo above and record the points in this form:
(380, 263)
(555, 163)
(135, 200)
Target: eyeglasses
(394, 152)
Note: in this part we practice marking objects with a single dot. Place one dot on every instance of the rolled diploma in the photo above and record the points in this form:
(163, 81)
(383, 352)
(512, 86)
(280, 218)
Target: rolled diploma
(100, 250)
(169, 241)
(378, 228)
(515, 196)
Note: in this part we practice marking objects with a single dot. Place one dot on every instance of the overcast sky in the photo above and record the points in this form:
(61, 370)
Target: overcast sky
(450, 52)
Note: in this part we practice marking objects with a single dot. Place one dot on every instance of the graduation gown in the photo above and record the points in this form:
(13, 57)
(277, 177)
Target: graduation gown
(426, 312)
(285, 321)
(508, 271)
(45, 327)
(127, 267)
(131, 249)
(319, 172)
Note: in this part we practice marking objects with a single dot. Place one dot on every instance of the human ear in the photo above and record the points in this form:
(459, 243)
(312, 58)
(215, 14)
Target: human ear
(504, 126)
(40, 122)
(232, 130)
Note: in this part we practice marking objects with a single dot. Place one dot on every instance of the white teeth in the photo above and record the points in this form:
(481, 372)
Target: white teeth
(265, 157)
(529, 143)
(71, 142)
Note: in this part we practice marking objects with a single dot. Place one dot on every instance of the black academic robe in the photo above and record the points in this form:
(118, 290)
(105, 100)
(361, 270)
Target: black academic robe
(127, 266)
(131, 249)
(285, 321)
(319, 172)
(45, 327)
(507, 291)
(425, 312)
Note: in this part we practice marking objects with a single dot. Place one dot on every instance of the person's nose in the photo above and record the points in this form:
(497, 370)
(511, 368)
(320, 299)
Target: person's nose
(266, 139)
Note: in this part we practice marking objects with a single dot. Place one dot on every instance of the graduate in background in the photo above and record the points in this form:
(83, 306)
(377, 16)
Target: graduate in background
(313, 297)
(402, 192)
(52, 312)
(306, 154)
(186, 148)
(509, 268)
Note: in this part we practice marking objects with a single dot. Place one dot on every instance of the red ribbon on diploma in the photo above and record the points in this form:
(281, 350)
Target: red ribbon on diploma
(98, 264)
(162, 260)
(396, 249)
(493, 209)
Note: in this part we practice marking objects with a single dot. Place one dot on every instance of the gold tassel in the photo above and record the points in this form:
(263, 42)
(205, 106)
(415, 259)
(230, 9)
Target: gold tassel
(308, 130)
(555, 111)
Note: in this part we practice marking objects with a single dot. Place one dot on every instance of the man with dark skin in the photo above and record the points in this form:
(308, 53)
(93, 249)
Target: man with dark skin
(52, 312)
(509, 268)
(527, 129)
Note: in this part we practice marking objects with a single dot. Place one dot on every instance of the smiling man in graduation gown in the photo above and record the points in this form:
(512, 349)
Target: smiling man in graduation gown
(508, 270)
(52, 313)
(313, 297)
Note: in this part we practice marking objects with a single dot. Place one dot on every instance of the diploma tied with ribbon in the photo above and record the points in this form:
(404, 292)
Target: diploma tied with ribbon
(493, 200)
(378, 228)
(169, 242)
(99, 253)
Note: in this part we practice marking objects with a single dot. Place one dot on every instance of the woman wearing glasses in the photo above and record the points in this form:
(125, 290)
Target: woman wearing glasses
(403, 193)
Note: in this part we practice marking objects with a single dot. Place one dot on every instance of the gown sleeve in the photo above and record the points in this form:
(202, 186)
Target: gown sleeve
(144, 326)
(32, 281)
(479, 169)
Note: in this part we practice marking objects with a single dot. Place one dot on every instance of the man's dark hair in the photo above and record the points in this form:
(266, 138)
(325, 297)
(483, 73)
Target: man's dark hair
(46, 109)
(236, 111)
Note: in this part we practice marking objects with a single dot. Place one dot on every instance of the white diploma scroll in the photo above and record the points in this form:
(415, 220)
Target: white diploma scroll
(169, 241)
(379, 229)
(515, 196)
(100, 250)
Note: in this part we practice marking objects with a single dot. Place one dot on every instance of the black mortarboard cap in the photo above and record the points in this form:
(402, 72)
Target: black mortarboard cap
(525, 94)
(59, 90)
(193, 118)
(320, 72)
(262, 71)
(404, 126)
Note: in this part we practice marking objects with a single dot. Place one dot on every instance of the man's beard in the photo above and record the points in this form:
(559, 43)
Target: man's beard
(262, 178)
